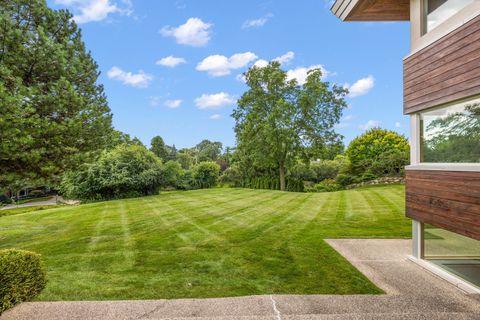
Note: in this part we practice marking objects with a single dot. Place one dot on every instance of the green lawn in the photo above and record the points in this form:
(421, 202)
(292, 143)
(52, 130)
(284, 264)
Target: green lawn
(206, 243)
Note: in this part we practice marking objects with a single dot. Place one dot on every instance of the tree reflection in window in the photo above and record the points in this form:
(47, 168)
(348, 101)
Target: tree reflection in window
(451, 135)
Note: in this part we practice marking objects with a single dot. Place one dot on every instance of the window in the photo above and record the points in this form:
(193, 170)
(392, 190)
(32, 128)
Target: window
(451, 134)
(452, 252)
(437, 11)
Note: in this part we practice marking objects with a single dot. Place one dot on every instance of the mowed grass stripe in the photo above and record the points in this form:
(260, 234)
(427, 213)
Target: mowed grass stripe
(206, 243)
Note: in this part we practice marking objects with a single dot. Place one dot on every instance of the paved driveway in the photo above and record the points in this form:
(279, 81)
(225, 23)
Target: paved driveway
(411, 293)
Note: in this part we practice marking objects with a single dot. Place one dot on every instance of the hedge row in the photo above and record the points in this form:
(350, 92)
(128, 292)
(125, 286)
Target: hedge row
(270, 183)
(22, 277)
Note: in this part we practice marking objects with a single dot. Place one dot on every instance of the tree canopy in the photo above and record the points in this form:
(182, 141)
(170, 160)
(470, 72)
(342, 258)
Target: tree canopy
(53, 113)
(378, 151)
(277, 120)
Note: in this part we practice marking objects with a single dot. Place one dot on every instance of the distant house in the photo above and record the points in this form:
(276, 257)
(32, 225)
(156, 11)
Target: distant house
(442, 98)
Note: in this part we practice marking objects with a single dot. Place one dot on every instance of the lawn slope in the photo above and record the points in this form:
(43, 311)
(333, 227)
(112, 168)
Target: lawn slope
(206, 243)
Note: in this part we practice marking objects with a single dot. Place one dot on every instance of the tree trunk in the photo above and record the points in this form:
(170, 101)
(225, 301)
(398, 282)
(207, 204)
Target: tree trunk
(282, 176)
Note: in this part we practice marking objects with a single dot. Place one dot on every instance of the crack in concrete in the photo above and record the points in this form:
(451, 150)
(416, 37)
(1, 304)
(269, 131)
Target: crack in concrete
(278, 316)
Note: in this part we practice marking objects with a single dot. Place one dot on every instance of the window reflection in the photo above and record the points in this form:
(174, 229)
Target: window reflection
(437, 11)
(451, 134)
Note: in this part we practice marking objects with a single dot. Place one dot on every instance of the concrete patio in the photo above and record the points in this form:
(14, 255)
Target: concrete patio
(411, 293)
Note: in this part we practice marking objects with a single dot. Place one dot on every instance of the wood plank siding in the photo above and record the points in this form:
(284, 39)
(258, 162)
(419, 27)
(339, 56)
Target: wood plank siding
(445, 71)
(445, 199)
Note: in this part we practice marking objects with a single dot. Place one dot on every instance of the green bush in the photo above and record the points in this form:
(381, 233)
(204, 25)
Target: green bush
(125, 171)
(327, 185)
(205, 174)
(271, 183)
(5, 200)
(381, 152)
(172, 172)
(329, 169)
(22, 277)
(344, 179)
(36, 193)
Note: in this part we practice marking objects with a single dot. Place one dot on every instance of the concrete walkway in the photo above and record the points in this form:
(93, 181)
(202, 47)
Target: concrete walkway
(50, 202)
(412, 293)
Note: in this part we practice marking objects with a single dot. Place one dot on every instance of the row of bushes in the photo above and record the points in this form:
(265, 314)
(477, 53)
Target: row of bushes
(133, 171)
(270, 183)
(22, 277)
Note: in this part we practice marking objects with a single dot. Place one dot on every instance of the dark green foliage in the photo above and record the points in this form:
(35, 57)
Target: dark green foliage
(327, 185)
(205, 174)
(344, 179)
(22, 277)
(126, 171)
(53, 115)
(158, 147)
(172, 172)
(379, 152)
(272, 183)
(4, 199)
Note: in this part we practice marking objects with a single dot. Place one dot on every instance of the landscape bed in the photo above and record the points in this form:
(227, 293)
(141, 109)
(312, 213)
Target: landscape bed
(206, 243)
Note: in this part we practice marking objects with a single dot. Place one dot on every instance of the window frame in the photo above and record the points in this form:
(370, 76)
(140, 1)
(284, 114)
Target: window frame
(416, 143)
(424, 17)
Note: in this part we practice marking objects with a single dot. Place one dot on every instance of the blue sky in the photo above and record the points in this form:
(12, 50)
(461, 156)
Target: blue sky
(173, 67)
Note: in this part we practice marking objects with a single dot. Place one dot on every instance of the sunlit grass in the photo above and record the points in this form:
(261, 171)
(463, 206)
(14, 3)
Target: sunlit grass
(206, 243)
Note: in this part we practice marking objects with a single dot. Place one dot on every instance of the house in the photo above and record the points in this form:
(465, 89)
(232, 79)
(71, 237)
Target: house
(442, 97)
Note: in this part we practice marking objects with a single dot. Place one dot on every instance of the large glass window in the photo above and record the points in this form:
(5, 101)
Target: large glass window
(454, 253)
(437, 11)
(451, 134)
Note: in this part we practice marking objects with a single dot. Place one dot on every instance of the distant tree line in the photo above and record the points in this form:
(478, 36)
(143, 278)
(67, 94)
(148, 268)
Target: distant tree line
(56, 126)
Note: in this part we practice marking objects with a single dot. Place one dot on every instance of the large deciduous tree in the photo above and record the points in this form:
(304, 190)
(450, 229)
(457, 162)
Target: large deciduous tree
(53, 113)
(278, 120)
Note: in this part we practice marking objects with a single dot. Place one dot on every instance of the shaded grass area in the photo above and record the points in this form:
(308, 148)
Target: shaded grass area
(207, 243)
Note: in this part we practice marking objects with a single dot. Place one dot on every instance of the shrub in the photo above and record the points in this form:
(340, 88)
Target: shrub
(303, 172)
(205, 174)
(382, 152)
(185, 181)
(329, 169)
(5, 200)
(36, 193)
(125, 171)
(22, 277)
(344, 179)
(172, 171)
(327, 185)
(271, 183)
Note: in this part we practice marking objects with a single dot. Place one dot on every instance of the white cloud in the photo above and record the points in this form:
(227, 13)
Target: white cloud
(241, 77)
(194, 32)
(171, 61)
(361, 87)
(138, 80)
(214, 101)
(173, 104)
(256, 23)
(218, 65)
(286, 58)
(370, 124)
(301, 73)
(398, 125)
(261, 63)
(216, 116)
(96, 10)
